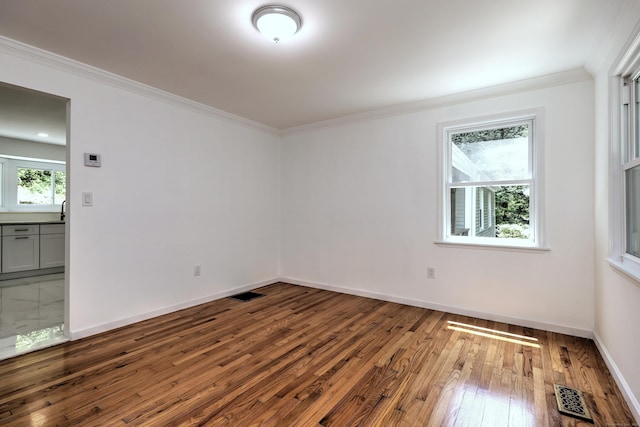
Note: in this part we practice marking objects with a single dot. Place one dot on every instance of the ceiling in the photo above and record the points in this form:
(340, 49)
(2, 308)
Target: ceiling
(350, 57)
(25, 113)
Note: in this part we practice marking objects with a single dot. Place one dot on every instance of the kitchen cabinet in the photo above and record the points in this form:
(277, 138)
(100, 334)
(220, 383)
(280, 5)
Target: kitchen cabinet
(51, 245)
(20, 248)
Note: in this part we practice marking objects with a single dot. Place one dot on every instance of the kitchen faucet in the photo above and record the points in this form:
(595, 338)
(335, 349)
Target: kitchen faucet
(62, 215)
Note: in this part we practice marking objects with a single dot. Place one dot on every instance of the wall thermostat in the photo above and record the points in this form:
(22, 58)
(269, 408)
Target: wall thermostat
(93, 160)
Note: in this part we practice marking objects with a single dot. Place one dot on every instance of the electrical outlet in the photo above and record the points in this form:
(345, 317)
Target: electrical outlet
(196, 270)
(431, 273)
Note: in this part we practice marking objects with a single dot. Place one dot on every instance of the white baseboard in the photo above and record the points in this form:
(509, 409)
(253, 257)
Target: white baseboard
(561, 329)
(82, 333)
(628, 395)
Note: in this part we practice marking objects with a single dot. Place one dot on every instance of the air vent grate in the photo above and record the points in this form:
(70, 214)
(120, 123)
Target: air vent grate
(246, 296)
(571, 402)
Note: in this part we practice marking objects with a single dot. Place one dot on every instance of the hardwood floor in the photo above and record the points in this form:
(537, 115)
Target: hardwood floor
(306, 357)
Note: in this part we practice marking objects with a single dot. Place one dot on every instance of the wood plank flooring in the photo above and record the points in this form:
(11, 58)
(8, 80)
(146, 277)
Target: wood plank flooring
(306, 357)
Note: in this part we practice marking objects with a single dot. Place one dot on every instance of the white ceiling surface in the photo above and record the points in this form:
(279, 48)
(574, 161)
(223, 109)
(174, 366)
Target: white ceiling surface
(350, 57)
(25, 113)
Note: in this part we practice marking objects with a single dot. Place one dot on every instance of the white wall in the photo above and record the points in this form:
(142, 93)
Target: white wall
(360, 207)
(177, 187)
(32, 149)
(617, 309)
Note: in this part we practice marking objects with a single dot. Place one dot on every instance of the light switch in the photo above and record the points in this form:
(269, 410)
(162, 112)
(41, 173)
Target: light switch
(87, 199)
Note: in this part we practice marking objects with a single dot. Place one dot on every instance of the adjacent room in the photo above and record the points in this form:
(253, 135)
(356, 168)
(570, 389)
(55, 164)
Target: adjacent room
(435, 205)
(32, 256)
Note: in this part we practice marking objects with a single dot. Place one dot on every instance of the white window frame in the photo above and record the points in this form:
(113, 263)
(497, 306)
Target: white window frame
(535, 181)
(9, 195)
(3, 184)
(622, 157)
(482, 200)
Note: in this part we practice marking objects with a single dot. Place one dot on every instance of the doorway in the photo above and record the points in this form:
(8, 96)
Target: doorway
(34, 178)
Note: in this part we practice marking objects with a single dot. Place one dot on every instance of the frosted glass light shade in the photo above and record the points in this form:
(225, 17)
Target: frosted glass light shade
(277, 23)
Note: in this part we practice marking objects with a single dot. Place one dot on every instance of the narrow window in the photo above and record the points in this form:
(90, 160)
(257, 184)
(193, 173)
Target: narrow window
(60, 190)
(631, 164)
(624, 209)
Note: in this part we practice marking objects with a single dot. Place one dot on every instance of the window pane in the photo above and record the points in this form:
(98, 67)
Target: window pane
(636, 119)
(513, 210)
(34, 187)
(633, 211)
(491, 154)
(460, 214)
(494, 211)
(61, 186)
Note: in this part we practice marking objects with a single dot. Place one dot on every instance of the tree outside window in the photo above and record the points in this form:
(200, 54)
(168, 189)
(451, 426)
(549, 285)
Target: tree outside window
(36, 186)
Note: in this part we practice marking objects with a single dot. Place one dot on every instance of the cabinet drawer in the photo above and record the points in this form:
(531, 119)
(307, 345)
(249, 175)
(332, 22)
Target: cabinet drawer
(20, 230)
(51, 228)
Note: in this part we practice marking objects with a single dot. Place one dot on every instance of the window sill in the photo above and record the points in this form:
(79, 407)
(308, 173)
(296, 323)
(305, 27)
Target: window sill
(33, 209)
(629, 269)
(502, 247)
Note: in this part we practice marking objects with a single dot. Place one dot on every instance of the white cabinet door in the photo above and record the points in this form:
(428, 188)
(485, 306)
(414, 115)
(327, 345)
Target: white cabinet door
(20, 253)
(51, 250)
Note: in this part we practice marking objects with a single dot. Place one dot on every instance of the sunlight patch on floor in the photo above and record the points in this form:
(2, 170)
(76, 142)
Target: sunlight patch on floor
(492, 333)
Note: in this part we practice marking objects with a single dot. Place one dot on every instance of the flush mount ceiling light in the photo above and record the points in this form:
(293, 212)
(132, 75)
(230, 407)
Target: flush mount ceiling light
(276, 23)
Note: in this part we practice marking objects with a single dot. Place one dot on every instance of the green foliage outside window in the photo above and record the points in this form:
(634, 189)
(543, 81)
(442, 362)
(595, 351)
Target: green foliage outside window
(60, 186)
(512, 212)
(36, 180)
(512, 205)
(490, 134)
(34, 186)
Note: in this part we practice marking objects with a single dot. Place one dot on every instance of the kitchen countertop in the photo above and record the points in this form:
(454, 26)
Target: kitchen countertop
(29, 222)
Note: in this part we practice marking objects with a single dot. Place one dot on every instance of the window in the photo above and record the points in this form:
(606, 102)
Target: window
(32, 186)
(40, 187)
(631, 163)
(490, 182)
(2, 182)
(624, 209)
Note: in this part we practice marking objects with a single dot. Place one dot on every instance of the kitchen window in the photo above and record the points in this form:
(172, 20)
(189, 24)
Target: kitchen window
(32, 186)
(2, 183)
(491, 177)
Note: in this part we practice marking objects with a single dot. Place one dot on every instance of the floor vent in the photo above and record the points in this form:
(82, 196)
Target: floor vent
(246, 296)
(571, 402)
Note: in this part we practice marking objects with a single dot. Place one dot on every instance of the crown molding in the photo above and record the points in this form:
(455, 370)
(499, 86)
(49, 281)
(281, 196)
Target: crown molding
(49, 59)
(557, 79)
(629, 60)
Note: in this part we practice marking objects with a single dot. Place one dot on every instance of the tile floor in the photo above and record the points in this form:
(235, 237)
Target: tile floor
(31, 314)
